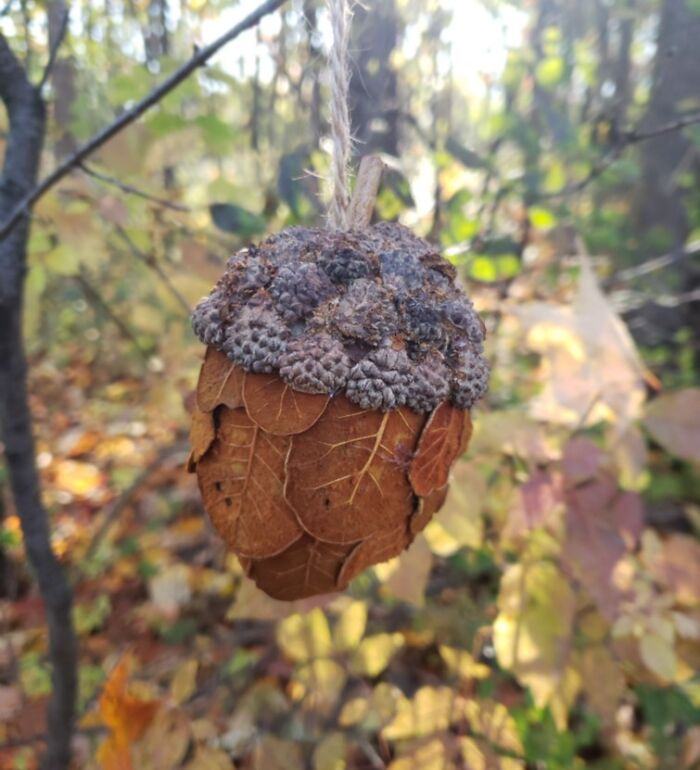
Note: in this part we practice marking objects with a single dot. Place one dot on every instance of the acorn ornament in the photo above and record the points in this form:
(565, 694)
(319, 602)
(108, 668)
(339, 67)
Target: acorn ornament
(334, 397)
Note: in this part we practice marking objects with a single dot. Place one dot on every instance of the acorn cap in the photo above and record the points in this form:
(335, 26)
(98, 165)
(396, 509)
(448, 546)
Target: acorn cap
(375, 314)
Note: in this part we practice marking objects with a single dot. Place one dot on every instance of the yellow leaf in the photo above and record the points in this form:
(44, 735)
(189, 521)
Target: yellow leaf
(185, 680)
(375, 711)
(210, 759)
(321, 684)
(492, 720)
(304, 637)
(409, 580)
(374, 653)
(164, 744)
(658, 655)
(433, 754)
(330, 753)
(350, 626)
(431, 710)
(79, 479)
(463, 664)
(276, 754)
(533, 634)
(459, 522)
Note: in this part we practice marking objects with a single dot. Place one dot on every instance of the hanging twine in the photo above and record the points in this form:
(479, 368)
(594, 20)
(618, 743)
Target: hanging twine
(340, 114)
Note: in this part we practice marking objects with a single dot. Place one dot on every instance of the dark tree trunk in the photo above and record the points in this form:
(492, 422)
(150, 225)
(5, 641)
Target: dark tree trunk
(660, 202)
(374, 101)
(26, 112)
(660, 207)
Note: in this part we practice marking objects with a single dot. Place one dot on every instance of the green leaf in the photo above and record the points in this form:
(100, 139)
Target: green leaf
(541, 218)
(550, 72)
(235, 219)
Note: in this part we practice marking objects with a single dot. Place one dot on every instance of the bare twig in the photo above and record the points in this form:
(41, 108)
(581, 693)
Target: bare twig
(150, 261)
(55, 46)
(130, 189)
(364, 199)
(95, 298)
(636, 135)
(659, 263)
(125, 499)
(201, 56)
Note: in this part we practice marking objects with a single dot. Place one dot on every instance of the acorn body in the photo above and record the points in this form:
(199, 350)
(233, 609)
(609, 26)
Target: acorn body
(333, 400)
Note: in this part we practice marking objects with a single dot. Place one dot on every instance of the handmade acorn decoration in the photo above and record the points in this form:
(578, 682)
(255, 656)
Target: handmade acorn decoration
(333, 400)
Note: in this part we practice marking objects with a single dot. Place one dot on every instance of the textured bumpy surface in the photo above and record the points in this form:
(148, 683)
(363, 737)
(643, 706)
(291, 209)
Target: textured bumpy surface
(310, 490)
(375, 315)
(333, 401)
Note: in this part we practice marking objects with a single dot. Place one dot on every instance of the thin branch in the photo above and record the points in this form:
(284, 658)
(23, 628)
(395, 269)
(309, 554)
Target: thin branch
(659, 263)
(95, 298)
(125, 499)
(130, 189)
(200, 58)
(55, 46)
(150, 261)
(634, 136)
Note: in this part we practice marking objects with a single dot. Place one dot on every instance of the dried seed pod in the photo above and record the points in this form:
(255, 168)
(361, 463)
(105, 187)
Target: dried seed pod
(332, 402)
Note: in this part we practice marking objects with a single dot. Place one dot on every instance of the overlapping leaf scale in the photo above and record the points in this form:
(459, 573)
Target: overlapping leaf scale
(306, 568)
(241, 479)
(444, 438)
(220, 382)
(346, 476)
(277, 408)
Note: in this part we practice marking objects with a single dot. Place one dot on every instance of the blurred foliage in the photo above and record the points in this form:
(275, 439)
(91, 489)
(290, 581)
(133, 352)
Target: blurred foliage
(550, 615)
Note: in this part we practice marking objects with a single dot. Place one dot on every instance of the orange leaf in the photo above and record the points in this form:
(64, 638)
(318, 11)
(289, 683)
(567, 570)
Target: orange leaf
(220, 382)
(241, 479)
(346, 476)
(444, 438)
(202, 433)
(125, 715)
(279, 409)
(304, 569)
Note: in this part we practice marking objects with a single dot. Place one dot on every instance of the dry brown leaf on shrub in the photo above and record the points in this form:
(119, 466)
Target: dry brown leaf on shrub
(304, 569)
(673, 420)
(279, 409)
(346, 476)
(444, 438)
(241, 479)
(220, 382)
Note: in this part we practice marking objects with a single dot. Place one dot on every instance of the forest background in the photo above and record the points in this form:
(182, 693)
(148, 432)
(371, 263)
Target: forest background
(550, 615)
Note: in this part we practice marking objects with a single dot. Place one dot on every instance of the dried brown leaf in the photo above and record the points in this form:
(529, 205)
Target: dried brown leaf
(304, 569)
(202, 434)
(279, 409)
(380, 547)
(220, 382)
(241, 479)
(346, 476)
(444, 438)
(426, 509)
